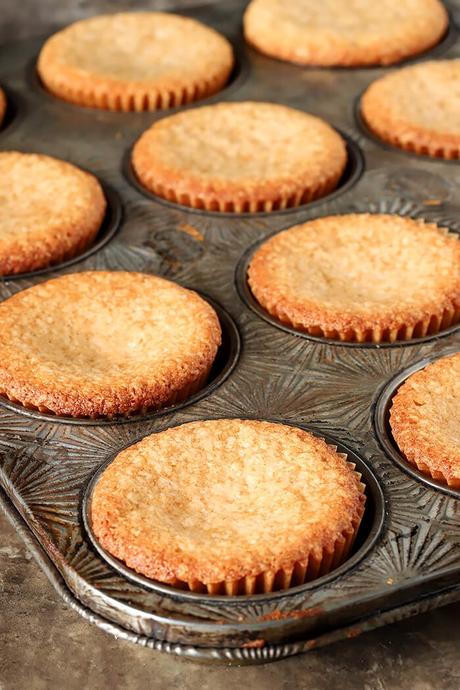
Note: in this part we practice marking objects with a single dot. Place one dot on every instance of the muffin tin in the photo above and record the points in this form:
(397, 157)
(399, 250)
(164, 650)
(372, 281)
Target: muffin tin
(407, 557)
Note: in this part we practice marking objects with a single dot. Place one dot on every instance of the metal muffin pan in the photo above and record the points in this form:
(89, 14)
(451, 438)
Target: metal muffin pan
(408, 559)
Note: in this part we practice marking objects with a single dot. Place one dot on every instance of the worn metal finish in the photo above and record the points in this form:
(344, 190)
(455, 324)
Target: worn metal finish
(413, 535)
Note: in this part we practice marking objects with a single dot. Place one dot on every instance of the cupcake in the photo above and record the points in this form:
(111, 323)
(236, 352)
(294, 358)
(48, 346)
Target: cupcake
(229, 506)
(240, 157)
(100, 344)
(360, 277)
(340, 33)
(50, 211)
(417, 108)
(135, 61)
(425, 420)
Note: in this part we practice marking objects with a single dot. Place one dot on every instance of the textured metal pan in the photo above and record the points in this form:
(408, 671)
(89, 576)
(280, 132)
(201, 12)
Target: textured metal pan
(46, 463)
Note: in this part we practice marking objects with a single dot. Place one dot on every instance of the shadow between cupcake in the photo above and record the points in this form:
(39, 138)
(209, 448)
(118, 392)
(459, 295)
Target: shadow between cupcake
(14, 112)
(367, 536)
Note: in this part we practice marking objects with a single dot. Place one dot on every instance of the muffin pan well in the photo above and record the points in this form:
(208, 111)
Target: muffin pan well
(224, 363)
(237, 76)
(108, 229)
(408, 556)
(246, 295)
(353, 171)
(383, 429)
(366, 537)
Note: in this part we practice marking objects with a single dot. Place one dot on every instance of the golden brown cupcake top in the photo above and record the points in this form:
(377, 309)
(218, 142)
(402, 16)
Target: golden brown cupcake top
(425, 419)
(417, 108)
(360, 277)
(50, 210)
(224, 499)
(135, 61)
(240, 156)
(105, 343)
(337, 32)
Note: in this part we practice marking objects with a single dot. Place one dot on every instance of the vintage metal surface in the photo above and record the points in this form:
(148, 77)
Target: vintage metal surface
(408, 556)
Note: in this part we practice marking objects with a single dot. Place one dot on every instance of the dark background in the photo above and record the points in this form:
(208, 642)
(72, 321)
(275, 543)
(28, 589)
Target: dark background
(24, 18)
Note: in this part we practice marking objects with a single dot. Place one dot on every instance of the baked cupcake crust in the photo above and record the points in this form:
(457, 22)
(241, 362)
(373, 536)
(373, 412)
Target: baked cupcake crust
(425, 420)
(332, 33)
(221, 505)
(237, 157)
(417, 108)
(135, 61)
(2, 105)
(100, 344)
(50, 211)
(360, 277)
